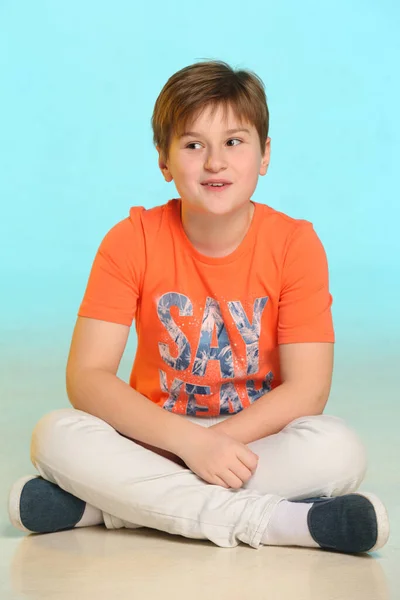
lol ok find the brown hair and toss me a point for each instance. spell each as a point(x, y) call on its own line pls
point(213, 83)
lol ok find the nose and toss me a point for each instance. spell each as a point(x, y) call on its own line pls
point(215, 160)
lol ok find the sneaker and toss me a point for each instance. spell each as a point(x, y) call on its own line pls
point(39, 506)
point(351, 523)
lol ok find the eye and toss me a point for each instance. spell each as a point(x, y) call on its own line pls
point(198, 143)
point(192, 144)
point(235, 140)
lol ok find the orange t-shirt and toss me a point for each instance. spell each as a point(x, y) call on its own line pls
point(208, 328)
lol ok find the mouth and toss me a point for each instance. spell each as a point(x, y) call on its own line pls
point(216, 187)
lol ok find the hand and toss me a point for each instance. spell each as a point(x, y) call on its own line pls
point(219, 459)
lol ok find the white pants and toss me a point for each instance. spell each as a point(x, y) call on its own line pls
point(135, 487)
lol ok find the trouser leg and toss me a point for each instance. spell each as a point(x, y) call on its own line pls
point(135, 487)
point(312, 456)
point(85, 456)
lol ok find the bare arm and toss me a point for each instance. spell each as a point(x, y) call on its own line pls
point(306, 371)
point(93, 387)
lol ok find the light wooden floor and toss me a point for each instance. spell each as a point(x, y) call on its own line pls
point(101, 564)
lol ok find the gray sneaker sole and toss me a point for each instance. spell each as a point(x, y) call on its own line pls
point(28, 511)
point(350, 536)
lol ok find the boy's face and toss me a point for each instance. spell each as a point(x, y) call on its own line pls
point(213, 153)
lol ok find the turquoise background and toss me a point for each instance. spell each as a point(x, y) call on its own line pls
point(79, 81)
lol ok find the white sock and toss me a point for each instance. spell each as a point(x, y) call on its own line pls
point(91, 516)
point(288, 526)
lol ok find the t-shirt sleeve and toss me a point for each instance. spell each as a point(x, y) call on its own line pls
point(305, 302)
point(113, 287)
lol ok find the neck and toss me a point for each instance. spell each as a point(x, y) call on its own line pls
point(216, 235)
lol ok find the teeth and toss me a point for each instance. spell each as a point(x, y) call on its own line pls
point(216, 184)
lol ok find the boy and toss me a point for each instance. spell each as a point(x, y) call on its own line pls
point(235, 342)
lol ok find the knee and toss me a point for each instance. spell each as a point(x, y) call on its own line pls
point(46, 434)
point(351, 453)
point(341, 452)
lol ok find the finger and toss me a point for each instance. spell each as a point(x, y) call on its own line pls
point(248, 465)
point(248, 458)
point(241, 471)
point(221, 482)
point(232, 479)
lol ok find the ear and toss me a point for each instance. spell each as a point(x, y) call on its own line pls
point(266, 157)
point(163, 166)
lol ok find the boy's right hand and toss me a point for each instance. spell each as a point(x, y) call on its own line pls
point(219, 459)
